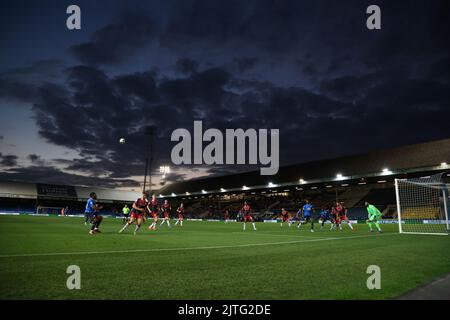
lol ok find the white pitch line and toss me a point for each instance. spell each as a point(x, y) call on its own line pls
point(185, 248)
point(276, 235)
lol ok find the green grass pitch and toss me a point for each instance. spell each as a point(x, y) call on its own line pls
point(211, 260)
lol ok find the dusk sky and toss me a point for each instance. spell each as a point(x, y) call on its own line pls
point(309, 68)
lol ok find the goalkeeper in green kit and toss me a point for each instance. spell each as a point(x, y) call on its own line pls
point(125, 212)
point(374, 217)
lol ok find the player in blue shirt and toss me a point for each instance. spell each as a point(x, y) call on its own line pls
point(308, 210)
point(89, 209)
point(324, 216)
point(91, 212)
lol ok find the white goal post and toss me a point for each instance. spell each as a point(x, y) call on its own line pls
point(422, 205)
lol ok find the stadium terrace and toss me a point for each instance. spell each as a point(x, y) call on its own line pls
point(378, 167)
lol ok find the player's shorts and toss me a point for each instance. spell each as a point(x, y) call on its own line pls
point(90, 215)
point(180, 217)
point(135, 215)
point(285, 219)
point(166, 216)
point(248, 218)
point(95, 217)
point(154, 216)
point(307, 218)
point(343, 217)
point(375, 217)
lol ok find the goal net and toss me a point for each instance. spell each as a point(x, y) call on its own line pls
point(48, 210)
point(422, 205)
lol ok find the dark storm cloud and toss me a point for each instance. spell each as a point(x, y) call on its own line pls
point(15, 90)
point(140, 85)
point(37, 70)
point(186, 66)
point(172, 177)
point(47, 174)
point(245, 64)
point(8, 160)
point(204, 88)
point(272, 25)
point(36, 159)
point(416, 35)
point(98, 110)
point(354, 87)
point(309, 69)
point(117, 41)
point(21, 83)
point(102, 166)
point(440, 70)
point(328, 120)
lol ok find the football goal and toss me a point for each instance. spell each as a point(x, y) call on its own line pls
point(422, 205)
point(48, 210)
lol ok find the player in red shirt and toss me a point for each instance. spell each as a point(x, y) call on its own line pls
point(246, 211)
point(342, 215)
point(334, 218)
point(153, 208)
point(180, 212)
point(137, 213)
point(166, 209)
point(227, 216)
point(285, 217)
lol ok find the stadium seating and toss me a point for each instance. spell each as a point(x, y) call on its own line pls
point(264, 205)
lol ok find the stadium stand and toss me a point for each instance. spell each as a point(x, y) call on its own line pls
point(363, 179)
point(28, 197)
point(366, 177)
point(382, 197)
point(405, 159)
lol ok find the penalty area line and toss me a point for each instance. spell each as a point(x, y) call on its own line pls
point(50, 254)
